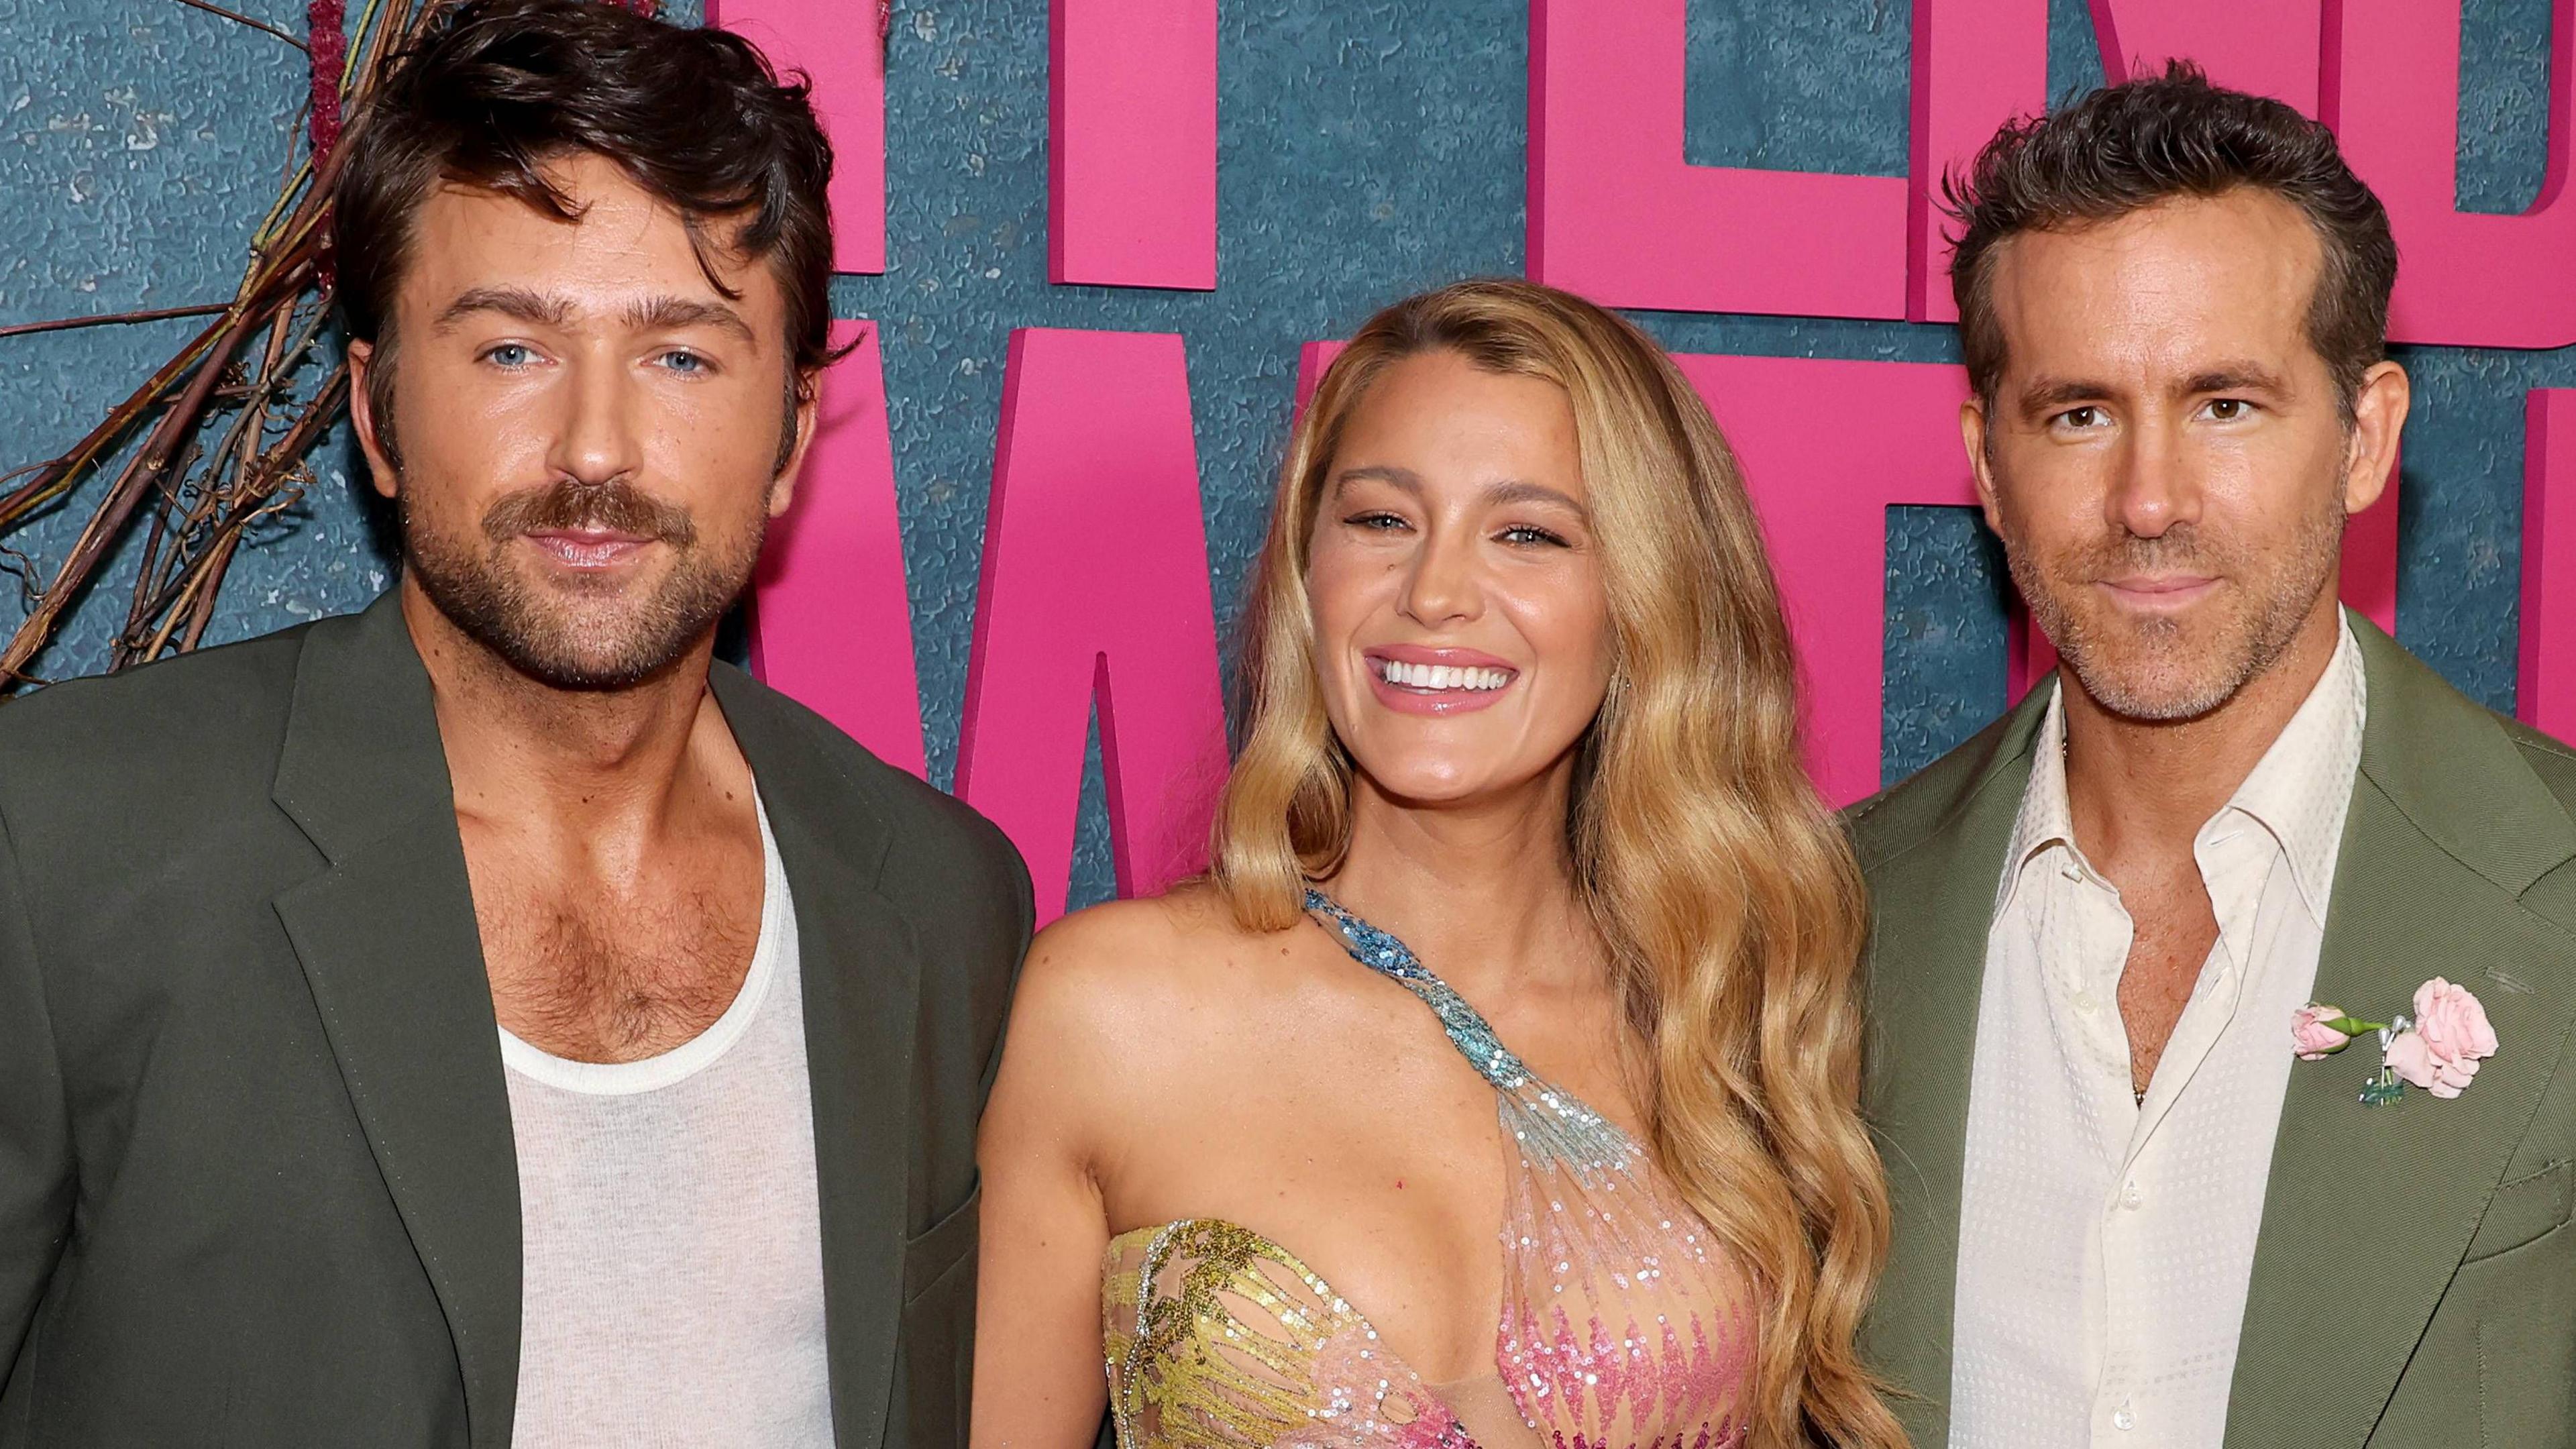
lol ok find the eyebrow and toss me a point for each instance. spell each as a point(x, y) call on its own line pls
point(550, 310)
point(516, 302)
point(1509, 490)
point(659, 313)
point(2236, 377)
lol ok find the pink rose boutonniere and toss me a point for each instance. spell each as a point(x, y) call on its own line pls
point(2437, 1049)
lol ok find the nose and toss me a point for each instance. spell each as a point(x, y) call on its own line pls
point(2157, 484)
point(1445, 585)
point(599, 437)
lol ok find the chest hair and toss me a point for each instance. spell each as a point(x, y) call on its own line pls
point(595, 976)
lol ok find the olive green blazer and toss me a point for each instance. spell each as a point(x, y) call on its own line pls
point(257, 1185)
point(2414, 1274)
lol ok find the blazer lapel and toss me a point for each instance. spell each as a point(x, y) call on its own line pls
point(1932, 904)
point(388, 941)
point(861, 974)
point(2448, 827)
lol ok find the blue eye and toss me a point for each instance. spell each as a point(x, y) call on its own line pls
point(1375, 522)
point(681, 360)
point(1523, 533)
point(511, 354)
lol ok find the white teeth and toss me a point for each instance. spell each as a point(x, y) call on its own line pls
point(1442, 676)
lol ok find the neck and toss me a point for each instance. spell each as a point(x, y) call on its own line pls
point(591, 762)
point(1483, 891)
point(2145, 787)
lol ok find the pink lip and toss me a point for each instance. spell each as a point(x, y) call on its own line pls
point(586, 550)
point(1406, 699)
point(2160, 591)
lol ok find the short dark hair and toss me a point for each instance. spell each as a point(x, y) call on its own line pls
point(495, 89)
point(2129, 146)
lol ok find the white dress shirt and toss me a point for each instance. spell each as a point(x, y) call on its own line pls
point(2105, 1243)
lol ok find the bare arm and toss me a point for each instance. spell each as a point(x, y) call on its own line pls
point(1039, 1382)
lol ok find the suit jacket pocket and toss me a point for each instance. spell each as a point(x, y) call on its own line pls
point(2523, 1209)
point(931, 1253)
point(932, 1385)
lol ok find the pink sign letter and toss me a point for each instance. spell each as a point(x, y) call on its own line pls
point(1616, 214)
point(2546, 695)
point(847, 65)
point(1828, 447)
point(830, 621)
point(1095, 592)
point(1131, 143)
point(2393, 97)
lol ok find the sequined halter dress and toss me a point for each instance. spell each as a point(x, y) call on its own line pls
point(1622, 1325)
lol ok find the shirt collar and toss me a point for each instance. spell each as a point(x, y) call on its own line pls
point(2300, 791)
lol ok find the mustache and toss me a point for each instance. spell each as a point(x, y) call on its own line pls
point(2178, 549)
point(614, 506)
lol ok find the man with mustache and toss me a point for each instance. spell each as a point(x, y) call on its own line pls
point(2238, 828)
point(482, 1020)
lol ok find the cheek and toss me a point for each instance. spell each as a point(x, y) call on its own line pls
point(1343, 587)
point(1564, 616)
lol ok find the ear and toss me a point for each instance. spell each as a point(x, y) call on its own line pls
point(1972, 433)
point(362, 417)
point(809, 413)
point(2378, 419)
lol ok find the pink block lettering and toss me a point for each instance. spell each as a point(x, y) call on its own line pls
point(2268, 48)
point(846, 64)
point(2545, 694)
point(1616, 213)
point(1828, 447)
point(1977, 64)
point(2393, 97)
point(1095, 592)
point(1131, 143)
point(830, 622)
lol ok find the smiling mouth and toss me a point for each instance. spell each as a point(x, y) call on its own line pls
point(1441, 678)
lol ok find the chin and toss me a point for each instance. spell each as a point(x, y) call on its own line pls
point(2159, 680)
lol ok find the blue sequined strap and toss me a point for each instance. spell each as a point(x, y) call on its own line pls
point(1547, 1124)
point(1384, 954)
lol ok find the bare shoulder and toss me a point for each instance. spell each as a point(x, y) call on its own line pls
point(1118, 1004)
point(1123, 957)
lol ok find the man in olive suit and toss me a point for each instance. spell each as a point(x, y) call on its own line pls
point(484, 1020)
point(2125, 1211)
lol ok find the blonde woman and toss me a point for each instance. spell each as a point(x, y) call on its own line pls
point(1524, 923)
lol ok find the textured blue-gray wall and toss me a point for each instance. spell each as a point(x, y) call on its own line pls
point(1367, 148)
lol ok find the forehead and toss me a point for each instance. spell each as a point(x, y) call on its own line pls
point(1451, 417)
point(624, 243)
point(2161, 287)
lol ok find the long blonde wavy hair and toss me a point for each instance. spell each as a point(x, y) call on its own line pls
point(1726, 895)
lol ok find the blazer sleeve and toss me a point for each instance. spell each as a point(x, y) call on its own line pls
point(36, 1176)
point(1023, 898)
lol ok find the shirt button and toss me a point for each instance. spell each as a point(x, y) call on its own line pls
point(2072, 873)
point(2122, 1419)
point(2130, 1197)
point(2087, 1002)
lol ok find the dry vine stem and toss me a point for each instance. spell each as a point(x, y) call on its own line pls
point(198, 479)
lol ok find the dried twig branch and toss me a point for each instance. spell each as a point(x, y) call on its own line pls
point(205, 481)
point(156, 314)
point(240, 19)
